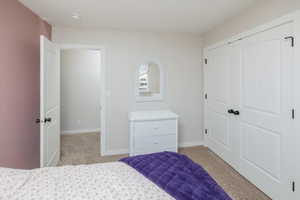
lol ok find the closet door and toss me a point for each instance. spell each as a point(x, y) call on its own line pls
point(218, 135)
point(265, 107)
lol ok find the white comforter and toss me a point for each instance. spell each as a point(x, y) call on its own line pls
point(99, 181)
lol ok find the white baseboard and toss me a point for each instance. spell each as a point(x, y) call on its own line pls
point(126, 151)
point(73, 132)
point(115, 152)
point(190, 144)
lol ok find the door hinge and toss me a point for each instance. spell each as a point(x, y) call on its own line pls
point(293, 113)
point(205, 96)
point(292, 40)
point(205, 61)
point(206, 131)
point(293, 186)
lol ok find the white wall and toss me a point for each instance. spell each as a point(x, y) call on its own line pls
point(80, 90)
point(180, 54)
point(260, 13)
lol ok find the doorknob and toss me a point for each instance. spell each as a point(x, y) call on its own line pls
point(39, 121)
point(236, 112)
point(231, 111)
point(48, 119)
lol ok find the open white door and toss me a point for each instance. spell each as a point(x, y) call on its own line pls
point(49, 103)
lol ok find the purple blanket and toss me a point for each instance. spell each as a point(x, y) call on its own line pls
point(177, 175)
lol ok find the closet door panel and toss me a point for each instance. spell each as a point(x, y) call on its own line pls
point(219, 125)
point(217, 119)
point(261, 76)
point(264, 107)
point(261, 148)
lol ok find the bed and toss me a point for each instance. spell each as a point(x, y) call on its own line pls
point(159, 176)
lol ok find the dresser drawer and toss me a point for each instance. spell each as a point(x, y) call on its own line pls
point(150, 128)
point(154, 143)
point(155, 151)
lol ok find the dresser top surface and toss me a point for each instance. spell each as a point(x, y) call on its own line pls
point(152, 115)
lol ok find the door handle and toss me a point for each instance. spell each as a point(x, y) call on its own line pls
point(49, 119)
point(231, 111)
point(236, 112)
point(39, 121)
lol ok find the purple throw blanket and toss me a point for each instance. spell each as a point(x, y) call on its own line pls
point(177, 175)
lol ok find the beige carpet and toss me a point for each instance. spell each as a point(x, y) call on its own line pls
point(84, 149)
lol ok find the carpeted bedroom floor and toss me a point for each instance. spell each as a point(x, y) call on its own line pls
point(84, 149)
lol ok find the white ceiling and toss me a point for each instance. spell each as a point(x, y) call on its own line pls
point(185, 16)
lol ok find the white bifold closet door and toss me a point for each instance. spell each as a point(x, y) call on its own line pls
point(218, 88)
point(248, 106)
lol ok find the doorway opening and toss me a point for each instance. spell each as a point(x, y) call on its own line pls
point(82, 103)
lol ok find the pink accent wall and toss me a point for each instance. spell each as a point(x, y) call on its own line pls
point(20, 30)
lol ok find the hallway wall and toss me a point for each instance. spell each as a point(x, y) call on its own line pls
point(80, 91)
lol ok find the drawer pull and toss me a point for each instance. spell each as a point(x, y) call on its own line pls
point(156, 128)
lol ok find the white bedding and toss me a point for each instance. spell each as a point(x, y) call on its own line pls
point(98, 181)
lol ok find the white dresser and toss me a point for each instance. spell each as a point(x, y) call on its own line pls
point(153, 131)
